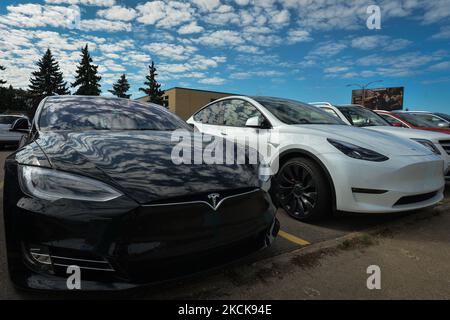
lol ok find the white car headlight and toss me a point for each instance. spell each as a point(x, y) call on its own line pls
point(49, 184)
point(429, 145)
point(357, 152)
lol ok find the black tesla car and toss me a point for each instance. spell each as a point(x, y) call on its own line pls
point(94, 186)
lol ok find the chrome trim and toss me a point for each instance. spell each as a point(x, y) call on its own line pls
point(85, 260)
point(88, 268)
point(201, 201)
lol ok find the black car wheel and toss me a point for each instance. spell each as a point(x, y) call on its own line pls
point(302, 190)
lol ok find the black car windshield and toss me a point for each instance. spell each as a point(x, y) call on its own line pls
point(8, 119)
point(362, 117)
point(83, 114)
point(294, 112)
point(414, 120)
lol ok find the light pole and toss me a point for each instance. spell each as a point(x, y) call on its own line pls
point(364, 88)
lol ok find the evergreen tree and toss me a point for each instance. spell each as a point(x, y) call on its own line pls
point(153, 88)
point(48, 80)
point(86, 79)
point(121, 87)
point(2, 68)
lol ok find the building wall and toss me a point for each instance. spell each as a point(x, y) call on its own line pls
point(185, 102)
point(188, 101)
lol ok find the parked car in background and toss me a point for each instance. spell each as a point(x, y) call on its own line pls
point(359, 116)
point(408, 120)
point(440, 120)
point(323, 164)
point(7, 137)
point(95, 187)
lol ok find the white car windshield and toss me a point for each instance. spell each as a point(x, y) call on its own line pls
point(294, 112)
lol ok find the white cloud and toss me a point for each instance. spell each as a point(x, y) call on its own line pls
point(381, 42)
point(118, 46)
point(171, 51)
point(106, 25)
point(242, 2)
point(368, 42)
point(296, 36)
point(213, 81)
point(117, 13)
point(100, 3)
point(249, 49)
point(165, 15)
point(207, 5)
point(335, 69)
point(442, 66)
point(221, 38)
point(190, 28)
point(256, 74)
point(327, 49)
point(35, 15)
point(444, 33)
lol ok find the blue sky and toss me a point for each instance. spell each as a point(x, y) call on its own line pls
point(301, 49)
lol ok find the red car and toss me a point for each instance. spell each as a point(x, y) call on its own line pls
point(407, 120)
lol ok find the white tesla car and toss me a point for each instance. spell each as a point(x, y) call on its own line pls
point(325, 164)
point(356, 115)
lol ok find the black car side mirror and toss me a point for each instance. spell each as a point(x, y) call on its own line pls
point(20, 125)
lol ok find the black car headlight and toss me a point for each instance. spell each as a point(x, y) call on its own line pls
point(49, 184)
point(429, 145)
point(357, 152)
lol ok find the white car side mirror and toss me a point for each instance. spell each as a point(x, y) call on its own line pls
point(253, 122)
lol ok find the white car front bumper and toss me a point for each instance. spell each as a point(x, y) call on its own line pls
point(399, 184)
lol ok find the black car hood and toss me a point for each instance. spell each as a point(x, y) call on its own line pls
point(139, 163)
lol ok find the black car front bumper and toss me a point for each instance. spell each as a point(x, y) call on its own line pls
point(121, 245)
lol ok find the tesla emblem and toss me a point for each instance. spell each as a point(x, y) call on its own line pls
point(213, 198)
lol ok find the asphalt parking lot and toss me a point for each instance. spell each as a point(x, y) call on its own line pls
point(293, 236)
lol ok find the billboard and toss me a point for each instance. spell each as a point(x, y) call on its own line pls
point(380, 98)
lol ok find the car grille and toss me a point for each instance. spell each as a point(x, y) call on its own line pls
point(446, 145)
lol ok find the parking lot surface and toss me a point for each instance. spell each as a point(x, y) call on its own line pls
point(326, 260)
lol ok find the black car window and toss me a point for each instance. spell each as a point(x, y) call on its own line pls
point(392, 120)
point(294, 112)
point(415, 121)
point(237, 112)
point(430, 118)
point(80, 114)
point(213, 114)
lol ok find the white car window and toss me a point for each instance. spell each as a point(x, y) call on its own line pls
point(237, 112)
